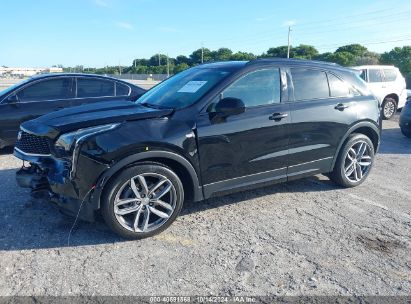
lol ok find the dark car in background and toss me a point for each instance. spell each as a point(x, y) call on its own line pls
point(45, 93)
point(207, 131)
point(405, 119)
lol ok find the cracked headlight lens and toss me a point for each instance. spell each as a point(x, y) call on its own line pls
point(67, 141)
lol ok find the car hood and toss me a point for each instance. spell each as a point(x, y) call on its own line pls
point(71, 119)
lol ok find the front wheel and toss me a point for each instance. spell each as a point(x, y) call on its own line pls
point(142, 201)
point(354, 161)
point(389, 107)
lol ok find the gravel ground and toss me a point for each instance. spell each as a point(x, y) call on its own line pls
point(306, 237)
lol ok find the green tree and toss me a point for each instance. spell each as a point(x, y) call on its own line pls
point(399, 57)
point(196, 56)
point(304, 51)
point(355, 49)
point(242, 56)
point(183, 59)
point(180, 67)
point(223, 54)
point(279, 51)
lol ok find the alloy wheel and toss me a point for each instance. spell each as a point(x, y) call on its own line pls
point(389, 109)
point(358, 161)
point(145, 202)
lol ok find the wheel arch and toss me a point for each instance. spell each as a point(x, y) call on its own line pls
point(393, 96)
point(367, 128)
point(180, 165)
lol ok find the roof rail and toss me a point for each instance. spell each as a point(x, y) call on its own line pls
point(295, 60)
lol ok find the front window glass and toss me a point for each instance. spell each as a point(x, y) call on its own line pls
point(374, 75)
point(47, 90)
point(257, 88)
point(184, 89)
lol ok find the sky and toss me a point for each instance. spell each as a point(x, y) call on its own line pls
point(96, 33)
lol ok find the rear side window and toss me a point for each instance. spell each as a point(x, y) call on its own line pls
point(53, 89)
point(374, 75)
point(390, 74)
point(257, 88)
point(338, 88)
point(309, 84)
point(122, 89)
point(94, 88)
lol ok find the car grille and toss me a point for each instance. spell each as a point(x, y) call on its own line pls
point(32, 144)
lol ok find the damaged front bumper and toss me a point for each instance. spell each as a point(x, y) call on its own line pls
point(49, 179)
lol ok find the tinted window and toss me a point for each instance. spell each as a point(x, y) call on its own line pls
point(94, 88)
point(47, 90)
point(374, 75)
point(309, 84)
point(257, 88)
point(390, 74)
point(338, 88)
point(122, 89)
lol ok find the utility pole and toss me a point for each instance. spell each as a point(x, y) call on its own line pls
point(159, 60)
point(289, 41)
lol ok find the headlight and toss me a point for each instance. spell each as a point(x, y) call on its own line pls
point(67, 141)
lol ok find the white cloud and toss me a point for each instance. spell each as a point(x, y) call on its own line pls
point(101, 3)
point(125, 25)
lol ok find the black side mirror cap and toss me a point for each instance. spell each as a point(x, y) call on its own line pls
point(230, 106)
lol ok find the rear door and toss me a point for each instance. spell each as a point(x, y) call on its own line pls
point(91, 90)
point(34, 100)
point(321, 114)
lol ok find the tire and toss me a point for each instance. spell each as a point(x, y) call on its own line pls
point(406, 132)
point(149, 192)
point(351, 154)
point(388, 108)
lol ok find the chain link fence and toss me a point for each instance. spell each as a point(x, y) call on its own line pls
point(155, 77)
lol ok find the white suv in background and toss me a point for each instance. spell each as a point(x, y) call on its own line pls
point(387, 84)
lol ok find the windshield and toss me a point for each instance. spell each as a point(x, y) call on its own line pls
point(11, 88)
point(184, 89)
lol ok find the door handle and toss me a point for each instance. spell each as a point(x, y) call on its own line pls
point(341, 107)
point(278, 116)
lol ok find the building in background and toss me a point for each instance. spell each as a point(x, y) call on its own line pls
point(27, 72)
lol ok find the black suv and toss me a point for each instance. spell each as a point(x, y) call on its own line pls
point(209, 130)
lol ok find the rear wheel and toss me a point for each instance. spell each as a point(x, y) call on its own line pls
point(354, 161)
point(143, 200)
point(389, 107)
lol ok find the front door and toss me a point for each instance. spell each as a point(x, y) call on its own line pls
point(251, 147)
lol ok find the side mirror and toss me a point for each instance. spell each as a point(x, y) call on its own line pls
point(12, 99)
point(230, 106)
